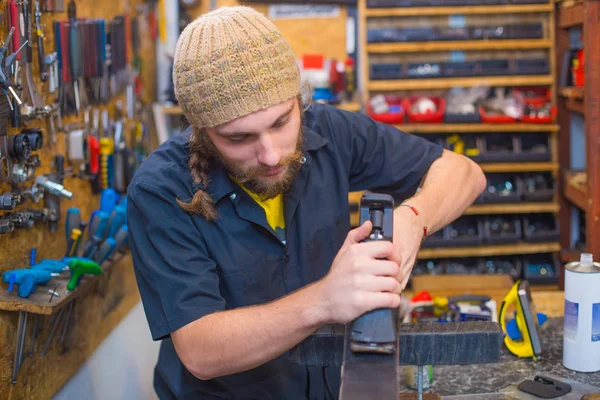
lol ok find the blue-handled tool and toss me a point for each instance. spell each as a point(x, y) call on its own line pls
point(97, 232)
point(117, 218)
point(98, 225)
point(54, 266)
point(105, 250)
point(108, 200)
point(27, 279)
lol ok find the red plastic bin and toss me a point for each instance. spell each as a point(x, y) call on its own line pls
point(495, 119)
point(436, 117)
point(540, 120)
point(542, 95)
point(389, 117)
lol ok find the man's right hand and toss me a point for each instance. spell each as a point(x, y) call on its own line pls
point(360, 279)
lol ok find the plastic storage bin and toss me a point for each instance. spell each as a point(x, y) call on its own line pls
point(427, 117)
point(532, 66)
point(495, 118)
point(502, 229)
point(462, 266)
point(494, 67)
point(526, 31)
point(424, 70)
point(501, 265)
point(385, 71)
point(489, 32)
point(465, 231)
point(534, 147)
point(500, 147)
point(503, 188)
point(394, 116)
point(540, 228)
point(538, 186)
point(540, 269)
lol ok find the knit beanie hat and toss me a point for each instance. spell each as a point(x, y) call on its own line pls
point(232, 62)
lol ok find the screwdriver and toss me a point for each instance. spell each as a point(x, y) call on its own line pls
point(73, 221)
point(116, 220)
point(97, 232)
point(108, 200)
point(75, 235)
point(105, 250)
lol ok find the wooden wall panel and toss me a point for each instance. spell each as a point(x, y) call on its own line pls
point(97, 313)
point(314, 35)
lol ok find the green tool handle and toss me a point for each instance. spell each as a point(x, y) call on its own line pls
point(80, 267)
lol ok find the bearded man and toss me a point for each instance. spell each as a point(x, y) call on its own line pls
point(239, 226)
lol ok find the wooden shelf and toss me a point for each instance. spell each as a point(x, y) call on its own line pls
point(520, 167)
point(572, 92)
point(488, 251)
point(463, 45)
point(576, 188)
point(476, 128)
point(39, 301)
point(465, 10)
point(447, 83)
point(570, 14)
point(516, 208)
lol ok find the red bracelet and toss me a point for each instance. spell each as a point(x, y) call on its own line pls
point(416, 213)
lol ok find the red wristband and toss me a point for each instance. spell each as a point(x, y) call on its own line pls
point(416, 213)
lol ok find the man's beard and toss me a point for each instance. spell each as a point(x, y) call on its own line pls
point(254, 179)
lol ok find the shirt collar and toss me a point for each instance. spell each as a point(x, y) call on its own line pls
point(220, 185)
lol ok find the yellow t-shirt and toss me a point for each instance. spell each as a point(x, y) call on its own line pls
point(273, 211)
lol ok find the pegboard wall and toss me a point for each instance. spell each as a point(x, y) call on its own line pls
point(101, 301)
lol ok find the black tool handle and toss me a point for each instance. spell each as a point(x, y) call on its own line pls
point(376, 331)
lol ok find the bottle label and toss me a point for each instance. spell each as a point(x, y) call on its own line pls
point(571, 320)
point(596, 322)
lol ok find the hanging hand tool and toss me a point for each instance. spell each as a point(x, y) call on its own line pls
point(32, 99)
point(97, 233)
point(107, 148)
point(47, 62)
point(40, 41)
point(57, 6)
point(72, 231)
point(117, 219)
point(73, 241)
point(108, 200)
point(73, 221)
point(105, 250)
point(80, 267)
point(6, 62)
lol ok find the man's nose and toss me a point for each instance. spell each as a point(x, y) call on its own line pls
point(268, 152)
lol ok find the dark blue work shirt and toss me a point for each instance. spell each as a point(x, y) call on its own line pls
point(187, 267)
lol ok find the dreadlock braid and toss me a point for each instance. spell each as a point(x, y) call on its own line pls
point(201, 154)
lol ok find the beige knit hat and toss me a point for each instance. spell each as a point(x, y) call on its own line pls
point(229, 63)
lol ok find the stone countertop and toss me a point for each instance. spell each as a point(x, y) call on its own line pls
point(509, 370)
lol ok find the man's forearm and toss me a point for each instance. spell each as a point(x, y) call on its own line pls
point(452, 183)
point(237, 340)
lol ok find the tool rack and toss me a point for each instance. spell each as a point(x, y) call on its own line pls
point(408, 15)
point(580, 189)
point(48, 311)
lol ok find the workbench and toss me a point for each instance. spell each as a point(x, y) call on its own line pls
point(461, 380)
